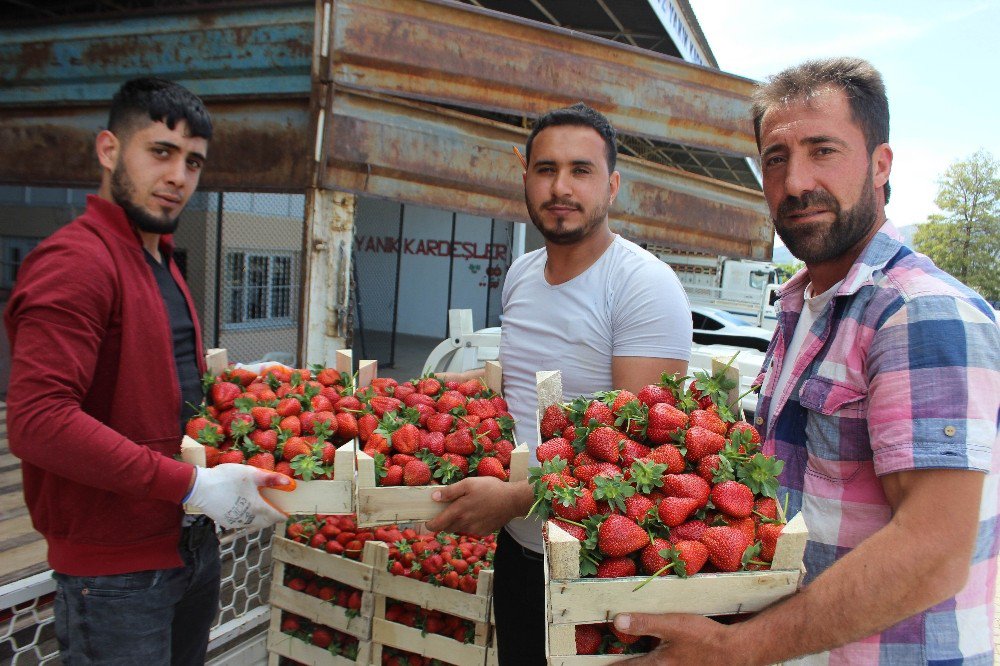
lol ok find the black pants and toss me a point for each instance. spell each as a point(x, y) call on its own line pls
point(519, 603)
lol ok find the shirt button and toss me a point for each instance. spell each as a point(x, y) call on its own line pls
point(759, 420)
point(949, 430)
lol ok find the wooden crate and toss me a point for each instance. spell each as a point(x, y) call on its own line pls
point(571, 600)
point(393, 504)
point(283, 645)
point(475, 607)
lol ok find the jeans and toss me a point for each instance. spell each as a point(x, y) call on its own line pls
point(145, 617)
point(518, 603)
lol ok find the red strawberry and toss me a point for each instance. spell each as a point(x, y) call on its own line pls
point(222, 394)
point(587, 472)
point(459, 442)
point(441, 422)
point(691, 530)
point(197, 424)
point(553, 421)
point(291, 424)
point(328, 377)
point(459, 461)
point(449, 400)
point(491, 467)
point(348, 403)
point(283, 467)
point(733, 499)
point(231, 456)
point(588, 638)
point(367, 423)
point(701, 442)
point(707, 466)
point(433, 442)
point(618, 535)
point(725, 547)
point(605, 443)
point(415, 399)
point(416, 473)
point(503, 448)
point(694, 554)
point(673, 511)
point(744, 525)
point(393, 476)
point(600, 412)
point(484, 409)
point(651, 559)
point(708, 420)
point(490, 428)
point(768, 534)
point(622, 398)
point(637, 506)
point(406, 439)
point(669, 455)
point(654, 394)
point(347, 425)
point(470, 387)
point(582, 506)
point(687, 485)
point(616, 567)
point(382, 405)
point(765, 507)
point(295, 446)
point(557, 446)
point(321, 637)
point(743, 426)
point(626, 639)
point(429, 386)
point(632, 451)
point(664, 420)
point(263, 416)
point(289, 407)
point(265, 440)
point(262, 460)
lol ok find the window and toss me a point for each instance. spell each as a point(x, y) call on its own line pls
point(259, 289)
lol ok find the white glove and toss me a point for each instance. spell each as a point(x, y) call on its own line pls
point(229, 494)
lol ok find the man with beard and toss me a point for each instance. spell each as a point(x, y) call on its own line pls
point(596, 307)
point(881, 392)
point(106, 360)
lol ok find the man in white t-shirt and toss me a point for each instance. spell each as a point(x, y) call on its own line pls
point(598, 308)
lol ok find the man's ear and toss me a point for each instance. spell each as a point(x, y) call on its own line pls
point(616, 181)
point(881, 165)
point(108, 148)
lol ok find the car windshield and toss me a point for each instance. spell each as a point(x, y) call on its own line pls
point(729, 318)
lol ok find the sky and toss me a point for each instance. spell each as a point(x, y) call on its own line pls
point(940, 61)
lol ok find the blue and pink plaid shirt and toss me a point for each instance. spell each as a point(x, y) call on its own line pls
point(900, 372)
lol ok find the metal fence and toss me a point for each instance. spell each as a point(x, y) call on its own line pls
point(27, 635)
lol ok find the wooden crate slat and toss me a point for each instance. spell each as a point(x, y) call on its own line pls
point(410, 639)
point(342, 569)
point(216, 360)
point(494, 377)
point(791, 544)
point(306, 653)
point(324, 612)
point(469, 606)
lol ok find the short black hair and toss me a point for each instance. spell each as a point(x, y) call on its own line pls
point(858, 79)
point(582, 115)
point(149, 99)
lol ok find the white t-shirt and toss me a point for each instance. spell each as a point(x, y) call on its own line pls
point(628, 303)
point(814, 306)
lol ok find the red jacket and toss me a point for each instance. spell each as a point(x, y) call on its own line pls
point(93, 401)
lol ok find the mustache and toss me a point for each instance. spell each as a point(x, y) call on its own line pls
point(813, 199)
point(569, 203)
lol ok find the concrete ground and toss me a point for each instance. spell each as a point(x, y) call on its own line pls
point(410, 353)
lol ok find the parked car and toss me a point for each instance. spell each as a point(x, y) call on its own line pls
point(713, 326)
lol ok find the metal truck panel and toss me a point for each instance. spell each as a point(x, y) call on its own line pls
point(455, 54)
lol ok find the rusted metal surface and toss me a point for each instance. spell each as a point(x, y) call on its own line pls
point(227, 52)
point(419, 154)
point(452, 53)
point(257, 146)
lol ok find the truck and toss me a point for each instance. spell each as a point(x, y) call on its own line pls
point(743, 287)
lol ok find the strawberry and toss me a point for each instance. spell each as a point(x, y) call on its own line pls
point(632, 451)
point(616, 567)
point(434, 442)
point(618, 536)
point(654, 394)
point(459, 442)
point(745, 525)
point(231, 456)
point(378, 443)
point(743, 426)
point(367, 424)
point(651, 559)
point(725, 547)
point(484, 409)
point(347, 425)
point(321, 637)
point(707, 420)
point(588, 638)
point(471, 387)
point(669, 455)
point(211, 456)
point(765, 507)
point(415, 399)
point(402, 391)
point(458, 461)
point(553, 421)
point(265, 440)
point(429, 386)
point(382, 405)
point(289, 407)
point(197, 424)
point(441, 422)
point(328, 377)
point(263, 416)
point(600, 412)
point(557, 446)
point(283, 467)
point(383, 385)
point(490, 428)
point(622, 398)
point(768, 534)
point(637, 506)
point(626, 639)
point(605, 443)
point(701, 442)
point(707, 467)
point(449, 400)
point(295, 446)
point(416, 473)
point(733, 499)
point(673, 511)
point(691, 530)
point(694, 554)
point(348, 403)
point(406, 439)
point(291, 424)
point(393, 476)
point(503, 448)
point(223, 394)
point(491, 467)
point(663, 421)
point(687, 485)
point(586, 473)
point(262, 460)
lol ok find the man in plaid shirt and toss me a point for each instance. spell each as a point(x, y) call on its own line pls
point(881, 392)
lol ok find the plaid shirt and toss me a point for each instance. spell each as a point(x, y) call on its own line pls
point(901, 371)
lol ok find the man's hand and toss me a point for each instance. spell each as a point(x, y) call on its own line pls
point(684, 639)
point(229, 494)
point(480, 505)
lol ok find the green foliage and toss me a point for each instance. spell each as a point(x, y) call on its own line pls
point(965, 239)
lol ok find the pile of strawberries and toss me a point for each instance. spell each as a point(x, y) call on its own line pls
point(430, 621)
point(666, 482)
point(325, 589)
point(423, 432)
point(340, 534)
point(419, 432)
point(394, 657)
point(336, 642)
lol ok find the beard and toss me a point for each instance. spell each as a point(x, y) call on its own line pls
point(817, 243)
point(561, 235)
point(123, 193)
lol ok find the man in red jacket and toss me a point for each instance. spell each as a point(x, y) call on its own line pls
point(106, 353)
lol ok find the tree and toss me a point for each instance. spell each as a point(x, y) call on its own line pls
point(965, 239)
